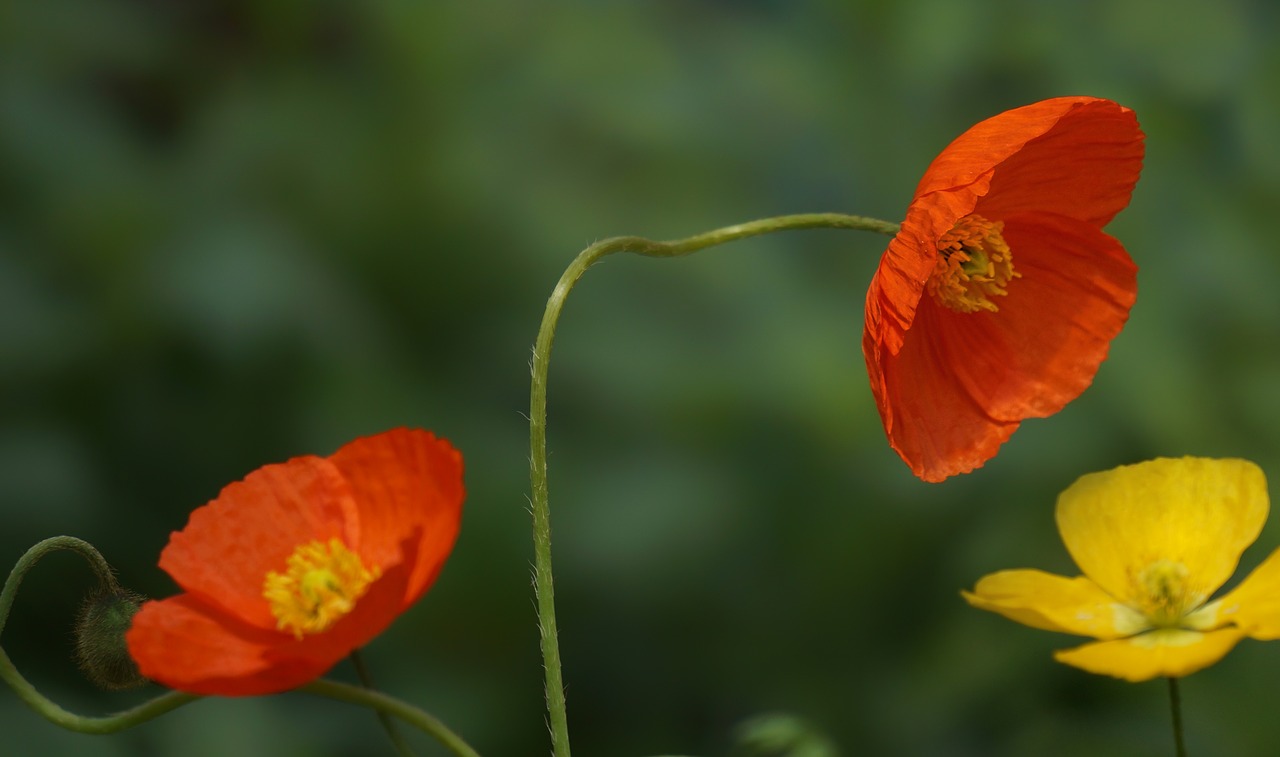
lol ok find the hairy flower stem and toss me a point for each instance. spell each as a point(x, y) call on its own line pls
point(1175, 705)
point(51, 711)
point(540, 367)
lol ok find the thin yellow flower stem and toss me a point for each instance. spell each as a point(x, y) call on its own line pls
point(540, 368)
point(1175, 705)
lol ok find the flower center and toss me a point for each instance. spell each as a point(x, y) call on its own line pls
point(321, 583)
point(974, 265)
point(1166, 597)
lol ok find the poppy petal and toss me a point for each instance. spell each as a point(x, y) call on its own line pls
point(230, 544)
point(1254, 605)
point(896, 290)
point(1079, 156)
point(972, 156)
point(1166, 652)
point(1084, 167)
point(190, 645)
point(931, 419)
point(405, 481)
point(1055, 325)
point(951, 387)
point(1196, 513)
point(1055, 603)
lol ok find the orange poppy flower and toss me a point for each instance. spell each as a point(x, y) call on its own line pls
point(999, 296)
point(291, 569)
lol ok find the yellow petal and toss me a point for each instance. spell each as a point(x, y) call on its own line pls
point(1254, 605)
point(1192, 513)
point(1055, 603)
point(1170, 652)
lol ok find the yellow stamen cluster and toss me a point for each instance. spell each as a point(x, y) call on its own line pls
point(1166, 594)
point(974, 265)
point(320, 584)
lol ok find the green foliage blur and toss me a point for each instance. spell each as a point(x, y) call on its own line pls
point(234, 232)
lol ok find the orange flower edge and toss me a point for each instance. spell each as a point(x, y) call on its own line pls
point(289, 570)
point(999, 297)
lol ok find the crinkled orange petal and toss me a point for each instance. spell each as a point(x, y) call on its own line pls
point(1038, 145)
point(1078, 157)
point(405, 480)
point(1072, 158)
point(1054, 603)
point(963, 381)
point(1254, 605)
point(1167, 652)
point(897, 288)
point(1199, 513)
point(932, 422)
point(1084, 167)
point(230, 544)
point(191, 645)
point(1054, 327)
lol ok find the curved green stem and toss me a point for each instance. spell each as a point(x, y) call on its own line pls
point(32, 556)
point(382, 703)
point(540, 367)
point(119, 721)
point(388, 725)
point(48, 709)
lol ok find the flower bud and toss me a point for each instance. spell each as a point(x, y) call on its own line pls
point(100, 646)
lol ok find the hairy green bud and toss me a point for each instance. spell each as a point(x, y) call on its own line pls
point(100, 647)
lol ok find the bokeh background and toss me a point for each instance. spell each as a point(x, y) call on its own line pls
point(234, 232)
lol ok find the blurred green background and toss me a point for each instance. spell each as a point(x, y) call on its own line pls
point(235, 232)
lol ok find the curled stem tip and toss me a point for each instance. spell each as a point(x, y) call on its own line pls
point(28, 693)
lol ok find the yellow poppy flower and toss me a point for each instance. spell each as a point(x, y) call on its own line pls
point(1154, 541)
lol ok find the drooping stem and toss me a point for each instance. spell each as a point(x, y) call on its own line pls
point(1175, 705)
point(47, 708)
point(540, 367)
point(53, 544)
point(388, 725)
point(55, 714)
point(380, 702)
